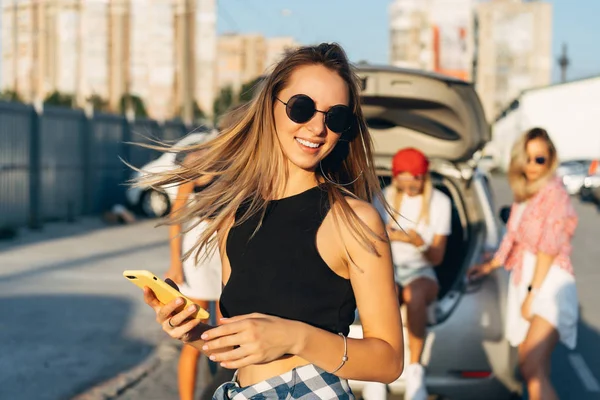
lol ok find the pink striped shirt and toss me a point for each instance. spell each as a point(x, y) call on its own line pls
point(547, 225)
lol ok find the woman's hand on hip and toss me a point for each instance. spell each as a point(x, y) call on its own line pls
point(526, 307)
point(176, 320)
point(255, 338)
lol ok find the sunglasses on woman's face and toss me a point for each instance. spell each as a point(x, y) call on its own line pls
point(300, 108)
point(538, 160)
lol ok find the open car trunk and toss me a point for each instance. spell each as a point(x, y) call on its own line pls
point(439, 115)
point(442, 117)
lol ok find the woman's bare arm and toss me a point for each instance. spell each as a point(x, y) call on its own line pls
point(379, 355)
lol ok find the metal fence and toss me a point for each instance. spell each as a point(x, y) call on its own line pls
point(59, 164)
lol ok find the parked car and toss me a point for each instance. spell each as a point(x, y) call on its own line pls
point(466, 354)
point(590, 190)
point(573, 174)
point(157, 202)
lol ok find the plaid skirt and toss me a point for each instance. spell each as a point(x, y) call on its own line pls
point(306, 382)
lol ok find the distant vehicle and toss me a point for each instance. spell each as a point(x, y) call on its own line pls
point(157, 202)
point(591, 188)
point(573, 174)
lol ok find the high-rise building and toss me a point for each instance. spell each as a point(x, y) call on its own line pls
point(244, 57)
point(276, 49)
point(152, 62)
point(410, 34)
point(513, 45)
point(453, 47)
point(163, 51)
point(241, 58)
point(20, 47)
point(94, 66)
point(205, 52)
point(118, 52)
point(432, 35)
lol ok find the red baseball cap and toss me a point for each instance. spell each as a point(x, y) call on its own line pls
point(410, 160)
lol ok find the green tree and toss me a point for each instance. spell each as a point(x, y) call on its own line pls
point(198, 113)
point(98, 102)
point(10, 95)
point(59, 99)
point(137, 104)
point(224, 101)
point(248, 89)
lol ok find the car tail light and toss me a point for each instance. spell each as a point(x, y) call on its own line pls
point(475, 374)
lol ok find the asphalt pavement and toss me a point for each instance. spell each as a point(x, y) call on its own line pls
point(68, 318)
point(71, 324)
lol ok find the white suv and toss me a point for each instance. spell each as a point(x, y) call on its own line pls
point(157, 202)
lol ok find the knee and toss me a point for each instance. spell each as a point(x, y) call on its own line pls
point(530, 368)
point(414, 298)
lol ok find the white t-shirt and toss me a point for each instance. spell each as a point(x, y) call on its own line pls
point(440, 215)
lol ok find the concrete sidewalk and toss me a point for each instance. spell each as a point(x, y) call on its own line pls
point(156, 378)
point(69, 319)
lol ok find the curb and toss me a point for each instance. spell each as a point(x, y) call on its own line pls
point(118, 384)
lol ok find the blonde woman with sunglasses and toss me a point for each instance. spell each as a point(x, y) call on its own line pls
point(542, 306)
point(301, 245)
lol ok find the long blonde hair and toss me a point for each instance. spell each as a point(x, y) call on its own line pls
point(396, 200)
point(521, 187)
point(248, 166)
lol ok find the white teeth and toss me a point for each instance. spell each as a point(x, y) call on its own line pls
point(307, 143)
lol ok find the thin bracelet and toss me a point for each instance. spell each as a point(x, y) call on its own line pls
point(345, 356)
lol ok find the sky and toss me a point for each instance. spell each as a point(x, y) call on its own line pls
point(361, 27)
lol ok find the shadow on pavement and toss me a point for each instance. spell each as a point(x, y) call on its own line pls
point(83, 261)
point(567, 381)
point(59, 230)
point(54, 347)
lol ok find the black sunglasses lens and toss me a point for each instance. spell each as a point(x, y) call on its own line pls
point(540, 160)
point(300, 108)
point(339, 118)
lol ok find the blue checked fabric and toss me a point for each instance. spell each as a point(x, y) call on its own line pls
point(305, 383)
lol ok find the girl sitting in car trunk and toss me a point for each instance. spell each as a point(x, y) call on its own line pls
point(418, 233)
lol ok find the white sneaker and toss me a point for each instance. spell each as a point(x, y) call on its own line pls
point(374, 391)
point(415, 383)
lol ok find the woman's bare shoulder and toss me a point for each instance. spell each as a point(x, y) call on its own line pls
point(367, 213)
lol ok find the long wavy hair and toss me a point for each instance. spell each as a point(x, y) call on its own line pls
point(521, 187)
point(248, 166)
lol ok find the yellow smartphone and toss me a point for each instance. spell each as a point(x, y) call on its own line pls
point(162, 290)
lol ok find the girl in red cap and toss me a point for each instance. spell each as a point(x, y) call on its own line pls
point(418, 234)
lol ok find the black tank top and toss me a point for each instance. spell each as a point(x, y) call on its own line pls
point(279, 271)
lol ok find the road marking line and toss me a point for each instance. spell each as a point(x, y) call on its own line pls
point(584, 373)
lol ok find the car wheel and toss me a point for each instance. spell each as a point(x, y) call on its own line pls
point(155, 204)
point(585, 195)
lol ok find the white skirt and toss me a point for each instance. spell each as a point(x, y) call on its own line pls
point(556, 302)
point(201, 281)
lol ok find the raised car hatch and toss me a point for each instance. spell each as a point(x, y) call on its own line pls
point(439, 115)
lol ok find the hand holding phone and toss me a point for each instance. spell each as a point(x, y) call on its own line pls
point(162, 290)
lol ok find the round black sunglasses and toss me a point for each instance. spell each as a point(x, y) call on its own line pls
point(540, 160)
point(300, 108)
